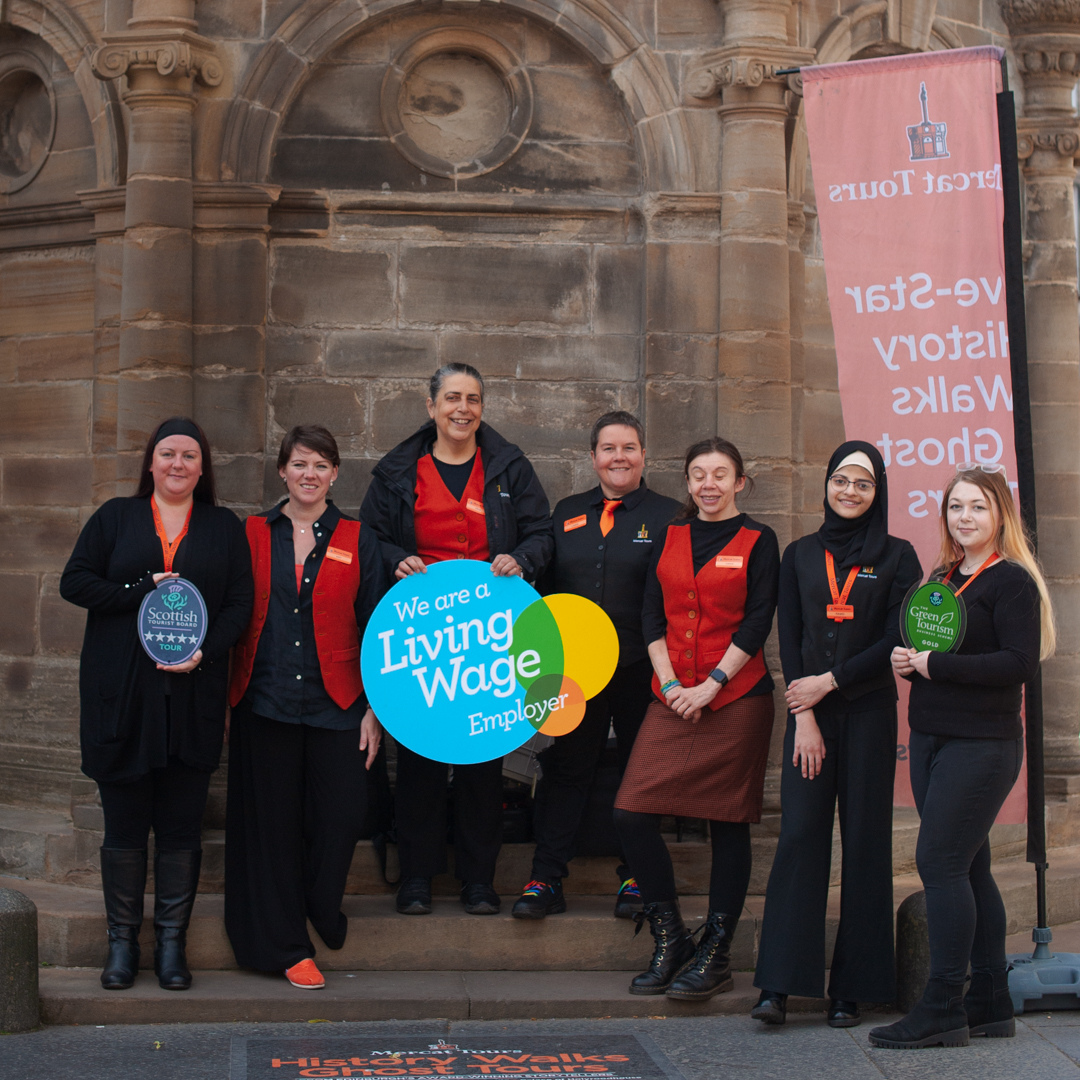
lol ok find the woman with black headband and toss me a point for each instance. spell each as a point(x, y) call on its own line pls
point(151, 735)
point(841, 592)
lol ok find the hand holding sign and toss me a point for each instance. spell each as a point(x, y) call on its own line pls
point(172, 622)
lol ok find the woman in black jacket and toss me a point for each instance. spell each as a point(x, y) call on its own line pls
point(841, 592)
point(966, 748)
point(455, 489)
point(152, 735)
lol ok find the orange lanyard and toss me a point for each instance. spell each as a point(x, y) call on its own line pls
point(839, 609)
point(168, 550)
point(989, 562)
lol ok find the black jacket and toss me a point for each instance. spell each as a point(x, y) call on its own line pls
point(123, 727)
point(515, 506)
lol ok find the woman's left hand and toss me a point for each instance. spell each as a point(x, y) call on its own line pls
point(370, 737)
point(920, 661)
point(805, 693)
point(506, 566)
point(688, 701)
point(183, 669)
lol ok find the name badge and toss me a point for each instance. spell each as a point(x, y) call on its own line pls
point(729, 562)
point(575, 523)
point(338, 555)
point(474, 506)
point(840, 612)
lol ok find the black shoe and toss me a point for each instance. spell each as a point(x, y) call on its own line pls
point(989, 1007)
point(123, 881)
point(539, 899)
point(938, 1019)
point(771, 1008)
point(844, 1014)
point(176, 881)
point(672, 951)
point(479, 898)
point(414, 896)
point(628, 901)
point(709, 972)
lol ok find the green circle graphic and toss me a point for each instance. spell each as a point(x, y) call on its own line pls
point(933, 618)
point(535, 628)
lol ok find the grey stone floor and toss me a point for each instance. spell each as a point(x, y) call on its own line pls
point(1047, 1046)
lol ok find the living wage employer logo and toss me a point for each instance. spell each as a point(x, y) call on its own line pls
point(463, 666)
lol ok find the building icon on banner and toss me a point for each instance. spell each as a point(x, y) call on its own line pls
point(927, 138)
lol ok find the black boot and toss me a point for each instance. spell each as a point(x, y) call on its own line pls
point(709, 972)
point(674, 947)
point(123, 881)
point(938, 1019)
point(989, 1007)
point(176, 880)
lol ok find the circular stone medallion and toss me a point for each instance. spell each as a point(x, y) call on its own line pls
point(27, 119)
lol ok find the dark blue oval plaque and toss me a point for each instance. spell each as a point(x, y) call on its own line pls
point(172, 622)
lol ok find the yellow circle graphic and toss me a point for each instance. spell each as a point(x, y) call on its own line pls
point(590, 642)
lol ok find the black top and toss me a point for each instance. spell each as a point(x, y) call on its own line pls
point(707, 540)
point(610, 570)
point(286, 680)
point(123, 728)
point(975, 691)
point(516, 509)
point(856, 651)
point(455, 477)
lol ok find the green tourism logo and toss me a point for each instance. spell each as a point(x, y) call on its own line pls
point(933, 618)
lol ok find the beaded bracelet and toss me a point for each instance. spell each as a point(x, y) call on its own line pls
point(669, 685)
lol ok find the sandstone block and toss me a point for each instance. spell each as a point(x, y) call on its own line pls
point(545, 357)
point(108, 276)
point(60, 624)
point(338, 406)
point(339, 99)
point(231, 18)
point(157, 275)
point(397, 410)
point(103, 433)
point(320, 286)
point(540, 166)
point(682, 288)
point(618, 290)
point(557, 478)
point(912, 951)
point(746, 303)
point(1054, 433)
point(64, 172)
point(68, 356)
point(238, 347)
point(231, 409)
point(57, 293)
point(292, 352)
point(382, 353)
point(506, 286)
point(142, 403)
point(576, 103)
point(17, 628)
point(352, 484)
point(47, 481)
point(50, 419)
point(677, 414)
point(756, 417)
point(1054, 384)
point(155, 201)
point(18, 962)
point(36, 539)
point(73, 130)
point(9, 359)
point(347, 163)
point(823, 425)
point(230, 281)
point(691, 356)
point(240, 480)
point(160, 142)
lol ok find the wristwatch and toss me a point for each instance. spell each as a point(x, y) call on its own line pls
point(719, 676)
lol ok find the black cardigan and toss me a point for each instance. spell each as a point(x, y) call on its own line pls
point(856, 651)
point(515, 506)
point(123, 727)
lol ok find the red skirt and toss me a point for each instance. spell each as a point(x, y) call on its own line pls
point(713, 769)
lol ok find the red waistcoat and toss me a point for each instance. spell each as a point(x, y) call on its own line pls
point(704, 611)
point(448, 528)
point(337, 639)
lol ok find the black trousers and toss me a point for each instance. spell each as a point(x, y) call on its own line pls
point(857, 776)
point(171, 801)
point(421, 809)
point(569, 766)
point(296, 806)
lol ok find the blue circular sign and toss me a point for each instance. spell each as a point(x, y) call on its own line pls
point(172, 622)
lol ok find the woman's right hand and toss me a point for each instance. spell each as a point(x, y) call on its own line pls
point(809, 745)
point(901, 661)
point(413, 564)
point(159, 578)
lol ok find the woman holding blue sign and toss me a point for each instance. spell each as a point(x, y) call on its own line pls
point(966, 748)
point(455, 489)
point(841, 592)
point(151, 734)
point(703, 746)
point(302, 735)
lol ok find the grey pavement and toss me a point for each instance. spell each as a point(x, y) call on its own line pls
point(1046, 1047)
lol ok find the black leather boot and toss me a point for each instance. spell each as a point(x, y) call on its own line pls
point(674, 947)
point(709, 972)
point(938, 1019)
point(176, 880)
point(123, 881)
point(989, 1007)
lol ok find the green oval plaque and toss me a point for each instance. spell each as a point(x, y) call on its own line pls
point(934, 618)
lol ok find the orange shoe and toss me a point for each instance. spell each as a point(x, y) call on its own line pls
point(306, 975)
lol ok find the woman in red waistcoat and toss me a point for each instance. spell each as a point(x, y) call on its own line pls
point(455, 490)
point(702, 749)
point(302, 735)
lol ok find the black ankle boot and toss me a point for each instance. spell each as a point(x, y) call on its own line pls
point(709, 972)
point(938, 1019)
point(176, 880)
point(989, 1007)
point(123, 881)
point(674, 947)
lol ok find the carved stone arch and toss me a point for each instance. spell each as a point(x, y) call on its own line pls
point(65, 32)
point(596, 26)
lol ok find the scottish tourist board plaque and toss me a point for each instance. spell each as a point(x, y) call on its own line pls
point(172, 622)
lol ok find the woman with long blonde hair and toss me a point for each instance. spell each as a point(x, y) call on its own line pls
point(966, 749)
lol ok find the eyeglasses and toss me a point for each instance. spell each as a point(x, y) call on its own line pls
point(971, 466)
point(839, 482)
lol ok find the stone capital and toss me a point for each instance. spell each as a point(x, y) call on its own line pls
point(1041, 16)
point(179, 56)
point(1062, 139)
point(746, 67)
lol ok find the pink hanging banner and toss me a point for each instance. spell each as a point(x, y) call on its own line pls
point(907, 176)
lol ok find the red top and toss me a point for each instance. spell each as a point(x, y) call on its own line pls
point(703, 611)
point(449, 528)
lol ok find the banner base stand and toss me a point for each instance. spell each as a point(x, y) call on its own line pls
point(1044, 981)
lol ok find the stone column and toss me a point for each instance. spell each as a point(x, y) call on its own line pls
point(1046, 40)
point(161, 56)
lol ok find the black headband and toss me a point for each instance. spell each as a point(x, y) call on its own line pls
point(180, 426)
